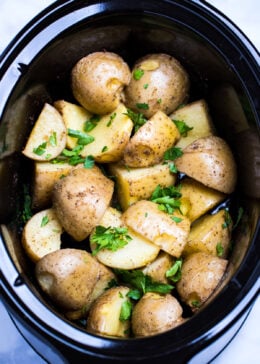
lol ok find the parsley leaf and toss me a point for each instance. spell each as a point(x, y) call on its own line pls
point(182, 127)
point(126, 310)
point(89, 162)
point(174, 273)
point(138, 74)
point(44, 221)
point(137, 118)
point(53, 139)
point(91, 123)
point(41, 149)
point(228, 220)
point(83, 138)
point(167, 198)
point(142, 105)
point(172, 153)
point(219, 249)
point(111, 238)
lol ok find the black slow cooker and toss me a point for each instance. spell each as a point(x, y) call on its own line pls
point(224, 70)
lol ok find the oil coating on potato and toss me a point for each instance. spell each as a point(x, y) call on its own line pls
point(97, 81)
point(164, 85)
point(80, 200)
point(69, 277)
point(155, 313)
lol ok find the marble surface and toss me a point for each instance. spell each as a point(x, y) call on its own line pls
point(245, 347)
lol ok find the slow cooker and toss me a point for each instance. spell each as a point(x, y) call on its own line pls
point(35, 68)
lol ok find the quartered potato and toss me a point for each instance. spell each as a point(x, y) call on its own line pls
point(148, 145)
point(106, 316)
point(135, 254)
point(48, 136)
point(134, 184)
point(145, 218)
point(210, 161)
point(42, 234)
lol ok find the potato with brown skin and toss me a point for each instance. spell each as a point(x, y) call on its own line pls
point(163, 85)
point(69, 278)
point(105, 316)
point(200, 275)
point(155, 313)
point(210, 161)
point(158, 268)
point(97, 81)
point(80, 200)
point(148, 145)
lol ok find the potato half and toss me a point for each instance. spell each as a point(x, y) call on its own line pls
point(148, 145)
point(210, 161)
point(163, 85)
point(201, 274)
point(42, 234)
point(80, 200)
point(155, 313)
point(97, 81)
point(69, 277)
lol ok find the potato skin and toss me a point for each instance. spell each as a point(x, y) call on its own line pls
point(210, 161)
point(201, 273)
point(155, 313)
point(150, 142)
point(69, 277)
point(167, 85)
point(80, 200)
point(97, 81)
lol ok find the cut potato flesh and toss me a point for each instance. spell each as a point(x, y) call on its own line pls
point(48, 136)
point(135, 254)
point(145, 218)
point(196, 116)
point(42, 234)
point(135, 184)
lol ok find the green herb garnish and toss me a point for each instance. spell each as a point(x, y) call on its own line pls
point(219, 249)
point(138, 74)
point(228, 220)
point(142, 105)
point(111, 238)
point(41, 149)
point(89, 162)
point(174, 273)
point(104, 149)
point(137, 118)
point(53, 139)
point(91, 123)
point(239, 216)
point(83, 138)
point(146, 85)
point(44, 221)
point(112, 117)
point(167, 198)
point(172, 153)
point(182, 127)
point(126, 310)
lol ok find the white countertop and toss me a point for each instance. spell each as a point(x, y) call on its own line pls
point(245, 347)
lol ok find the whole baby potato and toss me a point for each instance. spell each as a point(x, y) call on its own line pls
point(155, 313)
point(159, 82)
point(80, 199)
point(70, 277)
point(97, 81)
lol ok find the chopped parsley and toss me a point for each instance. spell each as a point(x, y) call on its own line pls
point(219, 250)
point(126, 310)
point(112, 117)
point(172, 153)
point(167, 198)
point(138, 74)
point(146, 85)
point(44, 221)
point(142, 106)
point(176, 219)
point(91, 123)
point(89, 162)
point(195, 303)
point(41, 149)
point(104, 149)
point(174, 273)
point(111, 238)
point(53, 139)
point(182, 127)
point(137, 118)
point(228, 220)
point(83, 138)
point(239, 216)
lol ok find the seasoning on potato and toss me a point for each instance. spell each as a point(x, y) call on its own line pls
point(137, 189)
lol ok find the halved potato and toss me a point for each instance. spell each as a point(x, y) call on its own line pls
point(200, 275)
point(133, 184)
point(48, 136)
point(80, 200)
point(210, 234)
point(210, 161)
point(145, 218)
point(74, 117)
point(135, 254)
point(105, 316)
point(148, 145)
point(201, 198)
point(196, 116)
point(157, 268)
point(42, 234)
point(155, 313)
point(46, 174)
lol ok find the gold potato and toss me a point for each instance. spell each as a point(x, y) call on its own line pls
point(148, 145)
point(69, 277)
point(201, 198)
point(42, 234)
point(155, 313)
point(80, 200)
point(97, 81)
point(48, 136)
point(105, 314)
point(133, 184)
point(196, 116)
point(137, 253)
point(46, 174)
point(164, 85)
point(210, 234)
point(145, 218)
point(157, 268)
point(210, 161)
point(201, 274)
